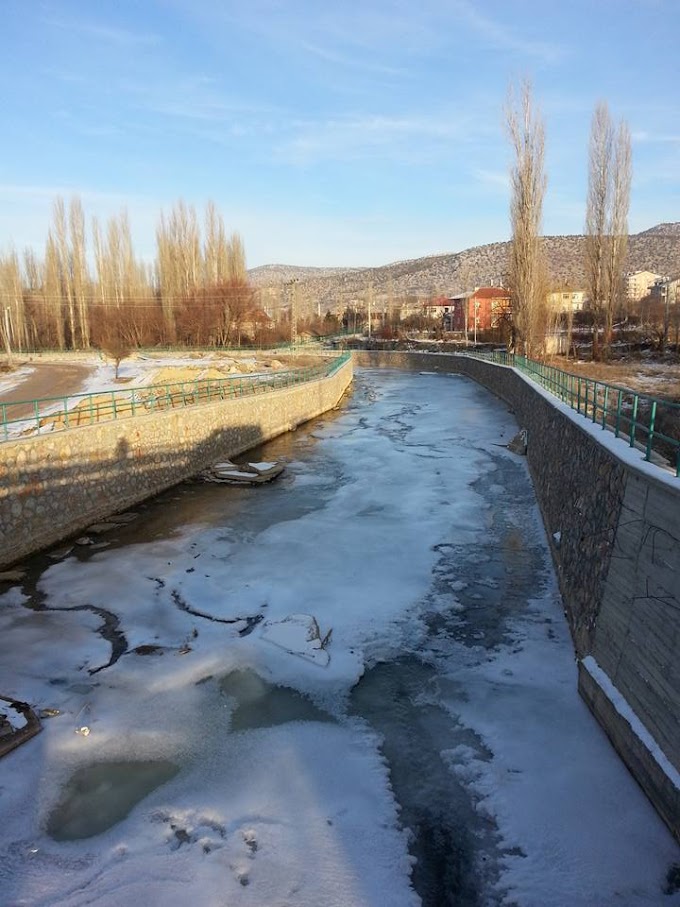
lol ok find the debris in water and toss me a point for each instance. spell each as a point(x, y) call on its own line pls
point(519, 443)
point(242, 473)
point(12, 576)
point(299, 634)
point(98, 528)
point(18, 723)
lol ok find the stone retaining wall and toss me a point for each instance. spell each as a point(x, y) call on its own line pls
point(56, 485)
point(614, 529)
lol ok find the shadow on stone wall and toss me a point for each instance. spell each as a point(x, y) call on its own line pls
point(48, 500)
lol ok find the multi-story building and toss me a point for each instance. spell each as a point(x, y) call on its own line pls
point(566, 300)
point(639, 283)
point(668, 290)
point(485, 308)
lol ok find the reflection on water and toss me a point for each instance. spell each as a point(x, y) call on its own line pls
point(98, 796)
point(260, 704)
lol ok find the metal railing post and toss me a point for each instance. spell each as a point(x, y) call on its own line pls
point(650, 432)
point(633, 421)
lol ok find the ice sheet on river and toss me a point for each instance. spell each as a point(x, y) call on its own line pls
point(384, 533)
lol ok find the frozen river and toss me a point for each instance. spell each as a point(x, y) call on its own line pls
point(210, 751)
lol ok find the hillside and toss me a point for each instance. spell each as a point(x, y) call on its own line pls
point(656, 249)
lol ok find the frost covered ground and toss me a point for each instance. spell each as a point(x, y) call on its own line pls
point(440, 754)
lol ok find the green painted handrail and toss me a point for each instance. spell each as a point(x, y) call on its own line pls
point(77, 410)
point(617, 409)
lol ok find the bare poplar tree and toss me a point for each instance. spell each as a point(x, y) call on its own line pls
point(597, 216)
point(609, 178)
point(179, 262)
point(618, 228)
point(528, 183)
point(64, 263)
point(78, 268)
point(236, 259)
point(12, 299)
point(99, 263)
point(166, 278)
point(53, 297)
point(33, 307)
point(196, 291)
point(215, 249)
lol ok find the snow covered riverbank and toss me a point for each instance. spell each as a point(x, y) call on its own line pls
point(221, 768)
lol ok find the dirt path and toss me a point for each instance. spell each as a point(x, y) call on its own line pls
point(49, 379)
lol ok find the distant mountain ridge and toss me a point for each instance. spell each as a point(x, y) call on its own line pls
point(656, 249)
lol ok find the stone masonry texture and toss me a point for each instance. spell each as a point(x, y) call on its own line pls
point(55, 485)
point(617, 562)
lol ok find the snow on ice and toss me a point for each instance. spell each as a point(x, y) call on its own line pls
point(377, 532)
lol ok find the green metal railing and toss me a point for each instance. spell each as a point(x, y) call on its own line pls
point(47, 414)
point(647, 423)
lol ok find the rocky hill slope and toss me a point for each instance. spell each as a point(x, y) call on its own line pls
point(320, 289)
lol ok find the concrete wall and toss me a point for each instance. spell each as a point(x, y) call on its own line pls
point(54, 485)
point(618, 565)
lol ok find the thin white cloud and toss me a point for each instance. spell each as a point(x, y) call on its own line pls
point(412, 138)
point(655, 138)
point(499, 35)
point(120, 37)
point(350, 62)
point(498, 179)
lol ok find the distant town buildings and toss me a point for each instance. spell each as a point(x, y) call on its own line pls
point(667, 290)
point(639, 283)
point(566, 300)
point(440, 308)
point(480, 309)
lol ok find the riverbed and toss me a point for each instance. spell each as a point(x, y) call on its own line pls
point(354, 686)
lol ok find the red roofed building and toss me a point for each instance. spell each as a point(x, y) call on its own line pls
point(487, 305)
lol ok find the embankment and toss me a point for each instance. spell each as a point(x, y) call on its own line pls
point(614, 528)
point(57, 484)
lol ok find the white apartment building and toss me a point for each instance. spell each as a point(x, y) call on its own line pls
point(566, 300)
point(639, 284)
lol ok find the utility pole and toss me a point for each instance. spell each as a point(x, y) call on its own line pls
point(370, 303)
point(665, 288)
point(292, 286)
point(466, 304)
point(476, 310)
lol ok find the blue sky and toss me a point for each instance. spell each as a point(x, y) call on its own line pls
point(328, 134)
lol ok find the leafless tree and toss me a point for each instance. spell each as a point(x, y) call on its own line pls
point(78, 269)
point(60, 241)
point(53, 296)
point(618, 228)
point(197, 290)
point(609, 178)
point(527, 273)
point(110, 336)
point(12, 302)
